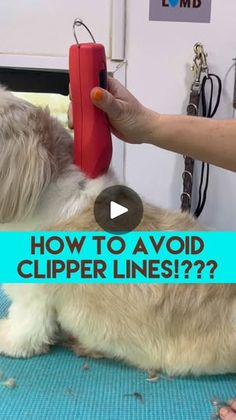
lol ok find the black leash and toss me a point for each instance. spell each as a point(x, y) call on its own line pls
point(234, 101)
point(209, 112)
point(198, 96)
point(192, 110)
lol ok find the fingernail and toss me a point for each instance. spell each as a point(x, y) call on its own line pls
point(224, 411)
point(230, 402)
point(98, 95)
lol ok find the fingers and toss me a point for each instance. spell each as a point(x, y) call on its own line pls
point(120, 91)
point(109, 101)
point(103, 100)
point(115, 87)
point(232, 404)
point(228, 412)
point(106, 102)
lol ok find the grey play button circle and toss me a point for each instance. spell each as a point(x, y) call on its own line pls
point(118, 209)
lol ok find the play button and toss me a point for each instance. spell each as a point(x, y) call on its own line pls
point(118, 209)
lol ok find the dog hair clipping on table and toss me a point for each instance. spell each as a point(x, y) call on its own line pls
point(85, 366)
point(152, 376)
point(9, 383)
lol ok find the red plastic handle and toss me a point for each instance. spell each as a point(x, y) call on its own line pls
point(92, 136)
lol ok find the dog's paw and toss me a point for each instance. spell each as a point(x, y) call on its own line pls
point(15, 344)
point(81, 351)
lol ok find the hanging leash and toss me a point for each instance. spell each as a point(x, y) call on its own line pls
point(199, 66)
point(209, 112)
point(234, 101)
point(198, 99)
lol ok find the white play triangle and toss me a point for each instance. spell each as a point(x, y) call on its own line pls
point(117, 210)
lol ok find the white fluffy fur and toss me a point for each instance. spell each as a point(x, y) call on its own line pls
point(176, 328)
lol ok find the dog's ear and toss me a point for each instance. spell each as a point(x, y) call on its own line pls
point(25, 164)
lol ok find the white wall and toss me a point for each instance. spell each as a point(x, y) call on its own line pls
point(45, 27)
point(159, 59)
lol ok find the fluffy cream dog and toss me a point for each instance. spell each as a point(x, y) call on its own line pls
point(178, 329)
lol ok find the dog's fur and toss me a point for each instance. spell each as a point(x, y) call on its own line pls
point(178, 329)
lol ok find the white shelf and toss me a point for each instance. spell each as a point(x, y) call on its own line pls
point(46, 62)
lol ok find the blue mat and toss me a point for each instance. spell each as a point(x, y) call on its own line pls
point(55, 386)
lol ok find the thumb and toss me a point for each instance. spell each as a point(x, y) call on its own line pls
point(104, 100)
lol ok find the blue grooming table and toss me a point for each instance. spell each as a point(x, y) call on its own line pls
point(56, 386)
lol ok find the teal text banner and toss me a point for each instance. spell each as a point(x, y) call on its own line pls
point(100, 257)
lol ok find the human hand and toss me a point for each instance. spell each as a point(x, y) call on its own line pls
point(129, 119)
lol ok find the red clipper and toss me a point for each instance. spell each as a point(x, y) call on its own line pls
point(92, 136)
